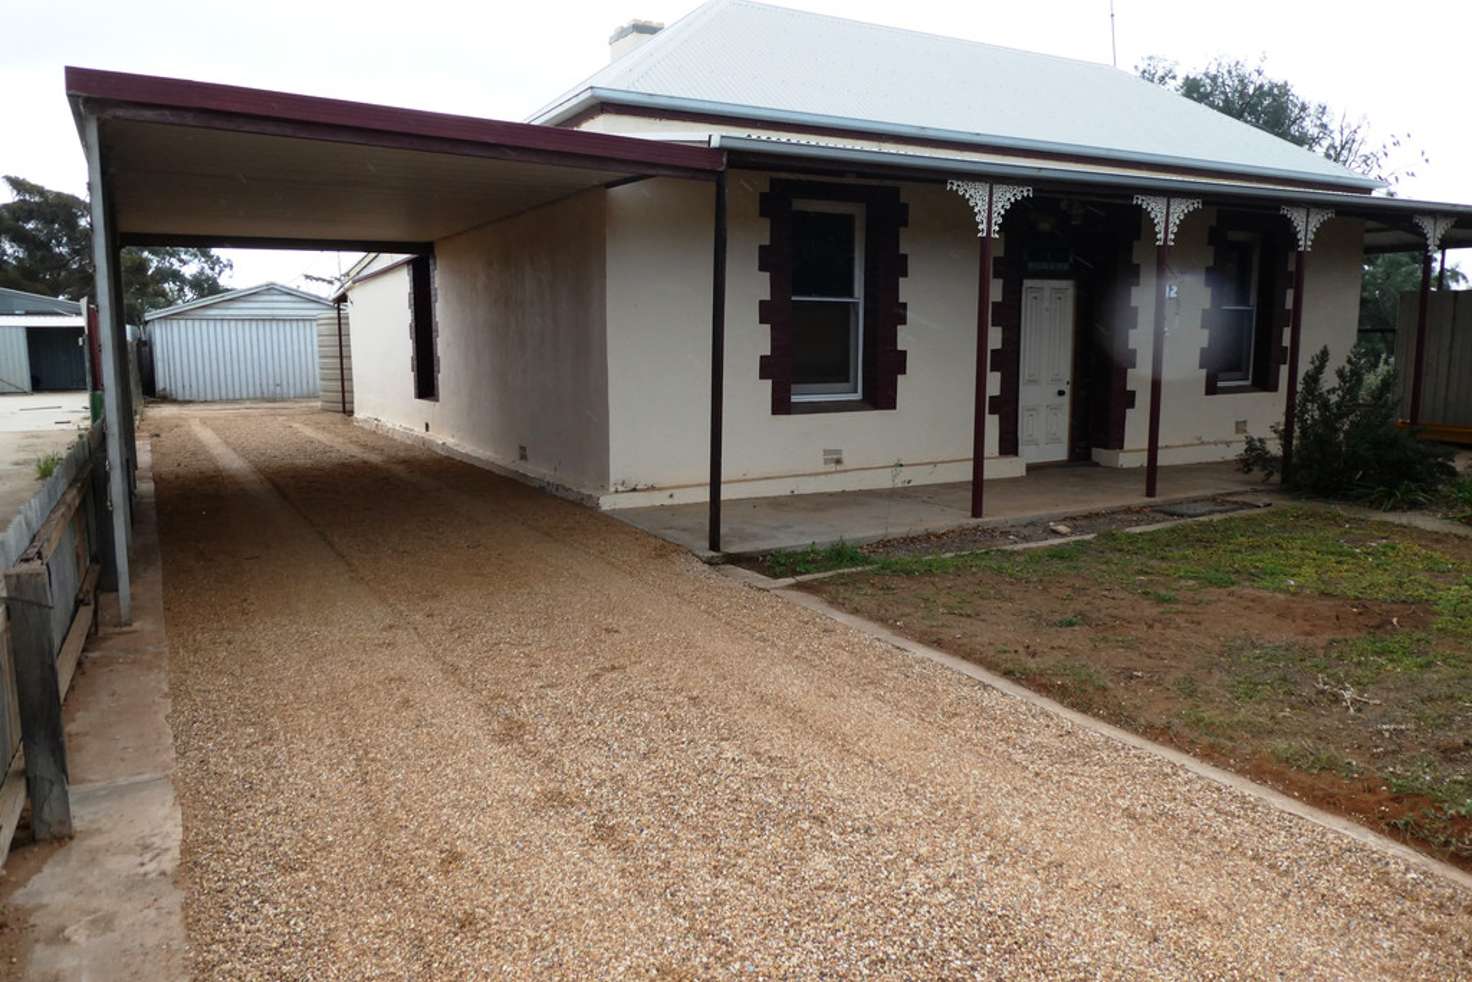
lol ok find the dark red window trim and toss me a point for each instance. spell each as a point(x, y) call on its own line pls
point(884, 266)
point(1275, 278)
point(424, 329)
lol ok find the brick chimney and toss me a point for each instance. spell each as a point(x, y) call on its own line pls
point(630, 36)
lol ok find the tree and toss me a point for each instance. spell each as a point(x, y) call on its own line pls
point(1248, 93)
point(46, 247)
point(1386, 277)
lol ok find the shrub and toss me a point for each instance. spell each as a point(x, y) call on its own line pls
point(1346, 444)
point(1460, 497)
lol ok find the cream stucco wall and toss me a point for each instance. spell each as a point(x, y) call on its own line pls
point(581, 331)
point(659, 278)
point(523, 362)
point(382, 386)
point(1195, 427)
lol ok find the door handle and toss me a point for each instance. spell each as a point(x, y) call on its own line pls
point(1063, 392)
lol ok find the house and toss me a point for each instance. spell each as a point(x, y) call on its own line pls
point(764, 252)
point(43, 343)
point(569, 343)
point(256, 343)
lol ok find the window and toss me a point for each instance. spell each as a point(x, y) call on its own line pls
point(1248, 282)
point(424, 357)
point(833, 309)
point(827, 300)
point(1235, 294)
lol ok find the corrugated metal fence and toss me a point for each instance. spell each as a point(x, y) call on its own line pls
point(1446, 382)
point(337, 372)
point(209, 359)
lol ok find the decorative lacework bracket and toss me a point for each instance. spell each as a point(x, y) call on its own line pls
point(1306, 222)
point(989, 202)
point(1167, 214)
point(1434, 227)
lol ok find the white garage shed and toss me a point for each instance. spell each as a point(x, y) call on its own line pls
point(257, 343)
point(43, 343)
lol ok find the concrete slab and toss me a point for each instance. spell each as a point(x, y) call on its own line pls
point(32, 426)
point(763, 524)
point(49, 411)
point(105, 905)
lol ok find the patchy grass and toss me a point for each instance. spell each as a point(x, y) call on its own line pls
point(1331, 657)
point(1458, 500)
point(47, 464)
point(813, 559)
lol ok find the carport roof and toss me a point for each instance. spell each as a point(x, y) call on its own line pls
point(196, 163)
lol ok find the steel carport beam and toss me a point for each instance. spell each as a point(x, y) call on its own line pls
point(109, 318)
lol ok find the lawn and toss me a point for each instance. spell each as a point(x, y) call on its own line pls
point(1330, 657)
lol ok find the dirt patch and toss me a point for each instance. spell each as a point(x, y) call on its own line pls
point(1332, 662)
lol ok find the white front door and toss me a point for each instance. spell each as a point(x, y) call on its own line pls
point(1045, 378)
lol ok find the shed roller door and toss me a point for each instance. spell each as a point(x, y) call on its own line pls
point(211, 360)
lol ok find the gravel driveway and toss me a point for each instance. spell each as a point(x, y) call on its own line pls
point(432, 723)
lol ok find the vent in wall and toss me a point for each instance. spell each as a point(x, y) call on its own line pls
point(832, 458)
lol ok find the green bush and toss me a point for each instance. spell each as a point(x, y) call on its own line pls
point(1346, 444)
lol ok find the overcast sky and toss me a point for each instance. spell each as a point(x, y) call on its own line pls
point(1395, 65)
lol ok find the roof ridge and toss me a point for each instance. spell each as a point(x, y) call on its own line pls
point(225, 295)
point(912, 32)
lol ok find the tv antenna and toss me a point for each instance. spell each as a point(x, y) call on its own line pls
point(1113, 48)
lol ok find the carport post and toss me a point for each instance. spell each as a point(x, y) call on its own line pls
point(1418, 362)
point(1157, 365)
point(717, 359)
point(110, 317)
point(1295, 339)
point(1306, 222)
point(983, 343)
point(1167, 214)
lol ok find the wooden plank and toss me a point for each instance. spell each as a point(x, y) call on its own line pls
point(28, 597)
point(48, 536)
point(1440, 433)
point(76, 635)
point(12, 799)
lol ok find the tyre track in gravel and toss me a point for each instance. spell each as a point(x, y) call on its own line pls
point(962, 760)
point(1041, 775)
point(264, 497)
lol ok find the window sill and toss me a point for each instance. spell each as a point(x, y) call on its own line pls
point(1238, 388)
point(802, 407)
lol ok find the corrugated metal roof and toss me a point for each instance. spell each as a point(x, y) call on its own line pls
point(736, 57)
point(298, 303)
point(21, 302)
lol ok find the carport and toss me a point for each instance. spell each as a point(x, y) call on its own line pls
point(181, 163)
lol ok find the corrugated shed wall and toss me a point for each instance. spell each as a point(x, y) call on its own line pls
point(209, 359)
point(15, 361)
point(336, 375)
point(1446, 381)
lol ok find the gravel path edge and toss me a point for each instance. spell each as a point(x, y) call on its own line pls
point(1236, 782)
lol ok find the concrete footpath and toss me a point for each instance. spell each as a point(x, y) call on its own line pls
point(105, 905)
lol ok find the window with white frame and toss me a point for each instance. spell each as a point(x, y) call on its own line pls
point(827, 300)
point(1239, 266)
